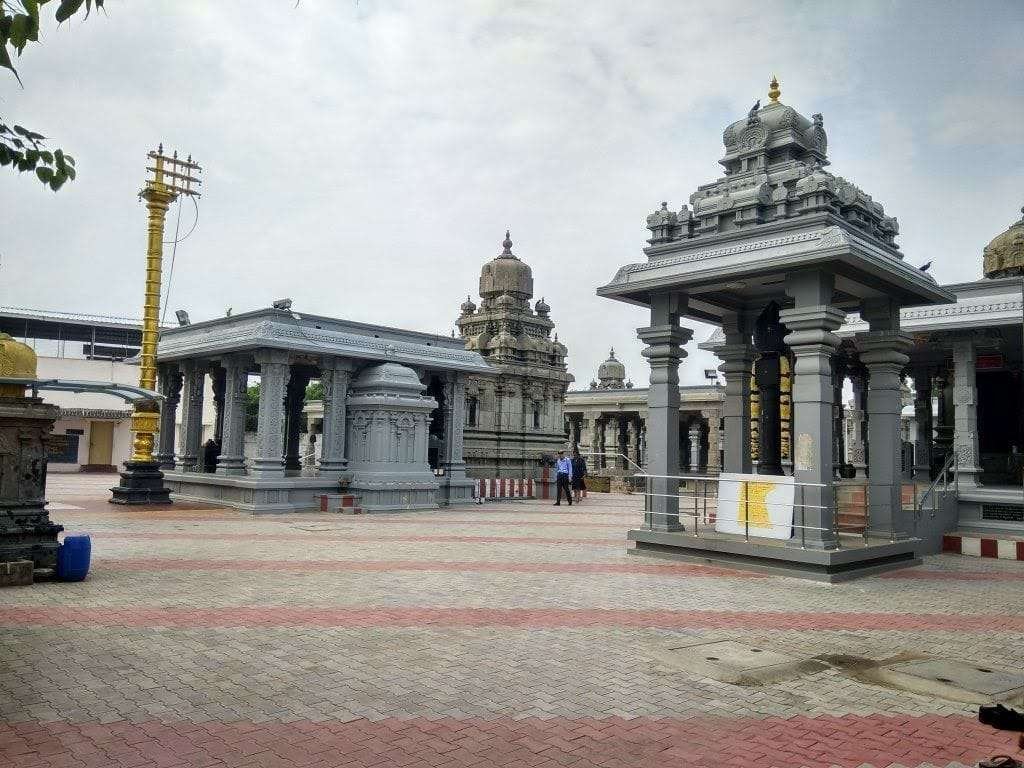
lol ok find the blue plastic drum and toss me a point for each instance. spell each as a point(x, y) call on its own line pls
point(73, 558)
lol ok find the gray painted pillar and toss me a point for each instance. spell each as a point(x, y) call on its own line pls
point(664, 339)
point(217, 382)
point(883, 351)
point(232, 456)
point(923, 419)
point(295, 399)
point(965, 413)
point(194, 373)
point(736, 355)
point(695, 446)
point(714, 440)
point(455, 486)
point(811, 323)
point(274, 374)
point(884, 354)
point(170, 388)
point(334, 378)
point(858, 456)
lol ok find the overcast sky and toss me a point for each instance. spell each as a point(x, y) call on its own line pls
point(366, 158)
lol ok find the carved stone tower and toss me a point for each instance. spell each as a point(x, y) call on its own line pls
point(514, 420)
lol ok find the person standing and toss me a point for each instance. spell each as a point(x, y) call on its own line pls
point(579, 471)
point(563, 478)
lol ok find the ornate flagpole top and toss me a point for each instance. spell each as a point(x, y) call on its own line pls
point(773, 90)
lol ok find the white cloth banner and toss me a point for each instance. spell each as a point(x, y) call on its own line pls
point(766, 501)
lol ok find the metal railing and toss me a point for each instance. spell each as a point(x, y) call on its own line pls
point(950, 467)
point(700, 514)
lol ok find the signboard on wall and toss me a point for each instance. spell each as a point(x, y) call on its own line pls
point(759, 504)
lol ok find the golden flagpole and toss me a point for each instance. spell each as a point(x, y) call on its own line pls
point(141, 480)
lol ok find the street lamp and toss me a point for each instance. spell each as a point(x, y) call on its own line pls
point(142, 482)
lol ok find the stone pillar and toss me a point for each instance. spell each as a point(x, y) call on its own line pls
point(170, 388)
point(274, 375)
point(194, 380)
point(712, 417)
point(217, 382)
point(965, 413)
point(858, 454)
point(631, 444)
point(838, 415)
point(883, 351)
point(664, 339)
point(598, 442)
point(455, 486)
point(335, 377)
point(736, 355)
point(811, 323)
point(923, 419)
point(884, 354)
point(766, 371)
point(695, 444)
point(236, 378)
point(295, 399)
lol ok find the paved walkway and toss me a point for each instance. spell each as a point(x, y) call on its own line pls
point(513, 634)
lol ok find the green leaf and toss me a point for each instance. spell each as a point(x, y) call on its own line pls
point(67, 9)
point(47, 156)
point(69, 160)
point(44, 174)
point(18, 35)
point(5, 62)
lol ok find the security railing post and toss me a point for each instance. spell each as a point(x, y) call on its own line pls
point(803, 520)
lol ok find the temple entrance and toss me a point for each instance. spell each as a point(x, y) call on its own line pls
point(1000, 427)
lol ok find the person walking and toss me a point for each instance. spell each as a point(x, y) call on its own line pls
point(579, 471)
point(563, 478)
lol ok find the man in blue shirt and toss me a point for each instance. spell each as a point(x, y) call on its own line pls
point(563, 479)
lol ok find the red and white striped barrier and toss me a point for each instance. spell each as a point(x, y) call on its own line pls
point(977, 546)
point(503, 488)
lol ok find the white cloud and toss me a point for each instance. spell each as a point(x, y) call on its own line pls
point(365, 158)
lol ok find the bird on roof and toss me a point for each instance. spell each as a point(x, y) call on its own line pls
point(925, 267)
point(753, 109)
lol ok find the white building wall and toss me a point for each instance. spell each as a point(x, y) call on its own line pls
point(111, 371)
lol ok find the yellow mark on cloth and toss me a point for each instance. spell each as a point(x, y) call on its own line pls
point(754, 503)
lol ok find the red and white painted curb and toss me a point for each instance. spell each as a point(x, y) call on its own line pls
point(504, 488)
point(977, 546)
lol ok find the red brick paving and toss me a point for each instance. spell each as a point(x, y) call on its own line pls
point(321, 536)
point(847, 741)
point(372, 566)
point(536, 618)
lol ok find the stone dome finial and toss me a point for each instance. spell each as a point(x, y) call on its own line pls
point(507, 244)
point(773, 90)
point(468, 307)
point(542, 307)
point(1004, 256)
point(611, 373)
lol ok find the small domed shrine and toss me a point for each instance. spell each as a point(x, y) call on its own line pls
point(514, 419)
point(611, 374)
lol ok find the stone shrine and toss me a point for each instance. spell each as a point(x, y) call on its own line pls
point(777, 228)
point(26, 532)
point(376, 424)
point(514, 418)
point(388, 425)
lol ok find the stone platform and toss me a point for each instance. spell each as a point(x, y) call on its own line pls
point(857, 556)
point(251, 494)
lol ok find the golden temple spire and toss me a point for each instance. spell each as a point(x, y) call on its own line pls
point(773, 90)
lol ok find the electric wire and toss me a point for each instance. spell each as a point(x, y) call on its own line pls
point(174, 252)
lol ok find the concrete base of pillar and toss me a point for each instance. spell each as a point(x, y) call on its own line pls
point(778, 557)
point(455, 491)
point(142, 482)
